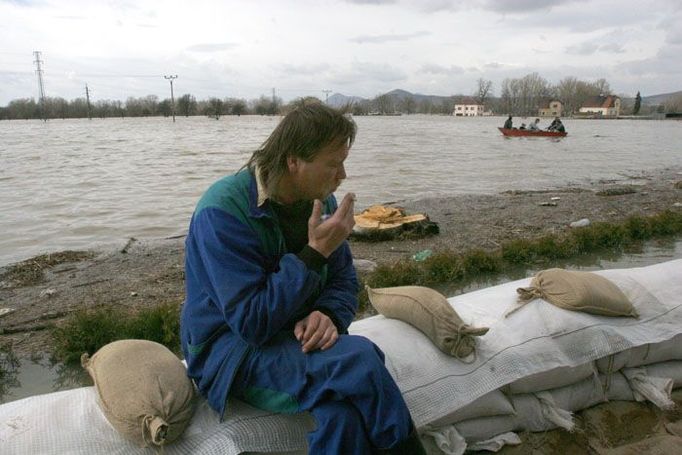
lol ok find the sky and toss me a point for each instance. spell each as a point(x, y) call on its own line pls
point(245, 49)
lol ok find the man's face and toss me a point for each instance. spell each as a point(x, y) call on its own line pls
point(320, 177)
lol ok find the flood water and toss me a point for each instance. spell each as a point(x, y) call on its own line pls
point(78, 184)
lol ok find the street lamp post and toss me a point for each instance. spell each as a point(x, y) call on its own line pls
point(171, 79)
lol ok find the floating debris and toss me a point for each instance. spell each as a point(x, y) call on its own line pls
point(580, 223)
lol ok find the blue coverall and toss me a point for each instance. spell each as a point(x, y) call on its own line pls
point(245, 292)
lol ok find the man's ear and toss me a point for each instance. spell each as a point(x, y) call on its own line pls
point(292, 163)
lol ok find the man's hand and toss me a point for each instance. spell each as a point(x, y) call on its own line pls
point(316, 331)
point(326, 236)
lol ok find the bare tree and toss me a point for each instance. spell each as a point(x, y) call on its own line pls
point(484, 89)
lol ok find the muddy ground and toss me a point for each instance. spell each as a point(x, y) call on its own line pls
point(38, 293)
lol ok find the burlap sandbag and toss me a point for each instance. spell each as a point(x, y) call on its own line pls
point(430, 312)
point(578, 291)
point(143, 390)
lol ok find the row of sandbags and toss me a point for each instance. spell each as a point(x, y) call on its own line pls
point(548, 400)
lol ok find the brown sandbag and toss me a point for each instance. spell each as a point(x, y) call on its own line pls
point(143, 390)
point(429, 311)
point(578, 291)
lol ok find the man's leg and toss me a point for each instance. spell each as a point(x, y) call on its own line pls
point(339, 430)
point(281, 378)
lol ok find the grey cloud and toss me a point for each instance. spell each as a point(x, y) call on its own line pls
point(293, 70)
point(615, 48)
point(589, 48)
point(524, 6)
point(665, 63)
point(371, 2)
point(439, 69)
point(387, 38)
point(211, 47)
point(361, 72)
point(585, 48)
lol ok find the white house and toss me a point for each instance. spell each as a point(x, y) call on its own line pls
point(468, 107)
point(607, 106)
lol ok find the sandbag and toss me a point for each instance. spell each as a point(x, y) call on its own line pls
point(491, 404)
point(143, 390)
point(429, 311)
point(671, 369)
point(646, 354)
point(578, 291)
point(552, 379)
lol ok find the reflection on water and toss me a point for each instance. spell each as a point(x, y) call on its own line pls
point(38, 376)
point(75, 184)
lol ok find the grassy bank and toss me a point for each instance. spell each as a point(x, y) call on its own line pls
point(88, 330)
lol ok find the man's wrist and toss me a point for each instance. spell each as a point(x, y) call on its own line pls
point(312, 258)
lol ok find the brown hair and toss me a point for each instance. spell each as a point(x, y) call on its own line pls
point(302, 133)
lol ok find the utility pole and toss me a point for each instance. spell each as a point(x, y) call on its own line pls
point(41, 86)
point(87, 99)
point(171, 79)
point(326, 95)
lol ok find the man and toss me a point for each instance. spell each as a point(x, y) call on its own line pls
point(508, 123)
point(271, 291)
point(534, 126)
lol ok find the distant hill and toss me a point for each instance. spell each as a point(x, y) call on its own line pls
point(655, 100)
point(339, 100)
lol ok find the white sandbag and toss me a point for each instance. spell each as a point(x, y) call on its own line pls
point(496, 443)
point(536, 415)
point(491, 404)
point(616, 387)
point(483, 428)
point(552, 379)
point(549, 409)
point(671, 369)
point(645, 387)
point(642, 355)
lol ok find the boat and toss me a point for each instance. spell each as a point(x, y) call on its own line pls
point(518, 132)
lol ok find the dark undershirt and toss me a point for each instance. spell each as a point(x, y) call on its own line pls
point(293, 221)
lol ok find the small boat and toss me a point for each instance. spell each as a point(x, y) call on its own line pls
point(518, 132)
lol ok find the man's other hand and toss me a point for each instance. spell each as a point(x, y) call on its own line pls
point(316, 331)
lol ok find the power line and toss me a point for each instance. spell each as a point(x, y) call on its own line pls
point(171, 79)
point(87, 97)
point(41, 86)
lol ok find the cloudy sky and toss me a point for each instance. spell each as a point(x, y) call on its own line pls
point(244, 49)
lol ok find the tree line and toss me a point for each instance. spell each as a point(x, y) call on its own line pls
point(147, 106)
point(517, 96)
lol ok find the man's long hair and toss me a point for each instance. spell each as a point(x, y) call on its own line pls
point(302, 133)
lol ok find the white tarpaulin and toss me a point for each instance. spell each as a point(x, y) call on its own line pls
point(537, 338)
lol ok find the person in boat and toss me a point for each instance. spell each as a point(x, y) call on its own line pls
point(557, 125)
point(271, 290)
point(534, 126)
point(523, 126)
point(508, 123)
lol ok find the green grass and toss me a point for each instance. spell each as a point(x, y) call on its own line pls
point(87, 331)
point(462, 269)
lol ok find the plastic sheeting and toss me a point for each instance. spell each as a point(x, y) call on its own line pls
point(535, 339)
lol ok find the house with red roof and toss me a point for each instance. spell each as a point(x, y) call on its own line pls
point(606, 106)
